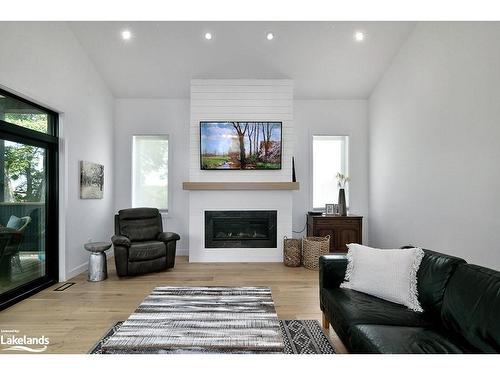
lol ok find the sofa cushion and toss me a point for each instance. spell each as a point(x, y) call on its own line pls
point(399, 340)
point(147, 250)
point(390, 274)
point(432, 278)
point(139, 224)
point(138, 213)
point(346, 308)
point(140, 267)
point(471, 306)
point(15, 222)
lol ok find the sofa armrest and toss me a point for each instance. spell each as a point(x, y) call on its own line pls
point(168, 236)
point(332, 270)
point(120, 241)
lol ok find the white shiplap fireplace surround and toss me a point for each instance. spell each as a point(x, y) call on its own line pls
point(240, 100)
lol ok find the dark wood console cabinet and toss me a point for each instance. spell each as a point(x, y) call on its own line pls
point(342, 230)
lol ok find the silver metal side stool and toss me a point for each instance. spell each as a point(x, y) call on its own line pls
point(98, 269)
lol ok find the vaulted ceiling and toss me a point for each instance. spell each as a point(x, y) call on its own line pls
point(323, 58)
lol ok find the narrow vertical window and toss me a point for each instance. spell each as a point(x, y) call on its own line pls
point(150, 171)
point(330, 154)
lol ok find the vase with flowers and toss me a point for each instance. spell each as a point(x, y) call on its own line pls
point(342, 181)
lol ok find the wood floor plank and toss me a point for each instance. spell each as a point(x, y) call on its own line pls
point(76, 318)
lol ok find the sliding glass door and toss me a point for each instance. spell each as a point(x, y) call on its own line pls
point(28, 198)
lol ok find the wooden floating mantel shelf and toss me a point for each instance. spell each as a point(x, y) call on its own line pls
point(240, 185)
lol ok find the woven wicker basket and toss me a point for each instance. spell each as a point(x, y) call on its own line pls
point(292, 249)
point(312, 249)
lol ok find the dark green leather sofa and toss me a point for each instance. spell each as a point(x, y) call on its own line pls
point(461, 305)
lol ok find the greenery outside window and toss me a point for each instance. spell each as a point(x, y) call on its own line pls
point(21, 113)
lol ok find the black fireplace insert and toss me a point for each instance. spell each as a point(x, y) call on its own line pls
point(240, 229)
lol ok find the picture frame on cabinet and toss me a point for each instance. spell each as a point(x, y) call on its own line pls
point(330, 209)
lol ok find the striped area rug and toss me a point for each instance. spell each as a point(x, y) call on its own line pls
point(201, 319)
point(299, 337)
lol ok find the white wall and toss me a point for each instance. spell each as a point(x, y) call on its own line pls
point(155, 116)
point(435, 143)
point(331, 117)
point(43, 61)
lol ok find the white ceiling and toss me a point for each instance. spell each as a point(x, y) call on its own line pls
point(321, 57)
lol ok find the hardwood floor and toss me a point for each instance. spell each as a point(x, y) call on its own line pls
point(76, 318)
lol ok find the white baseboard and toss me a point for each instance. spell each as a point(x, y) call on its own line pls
point(77, 270)
point(181, 252)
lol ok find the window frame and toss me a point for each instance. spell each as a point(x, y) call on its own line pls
point(163, 211)
point(50, 142)
point(52, 124)
point(346, 155)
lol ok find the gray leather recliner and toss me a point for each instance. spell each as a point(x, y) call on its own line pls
point(140, 244)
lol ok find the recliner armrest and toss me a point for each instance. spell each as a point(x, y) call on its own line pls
point(121, 241)
point(332, 270)
point(168, 236)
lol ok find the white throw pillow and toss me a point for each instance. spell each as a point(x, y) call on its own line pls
point(388, 274)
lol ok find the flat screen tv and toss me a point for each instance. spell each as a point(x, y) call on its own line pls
point(240, 145)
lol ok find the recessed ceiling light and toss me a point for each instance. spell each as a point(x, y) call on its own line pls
point(270, 36)
point(126, 35)
point(359, 36)
point(208, 36)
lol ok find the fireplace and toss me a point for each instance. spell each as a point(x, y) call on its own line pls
point(240, 229)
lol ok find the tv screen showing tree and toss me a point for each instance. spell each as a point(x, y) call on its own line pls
point(240, 145)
